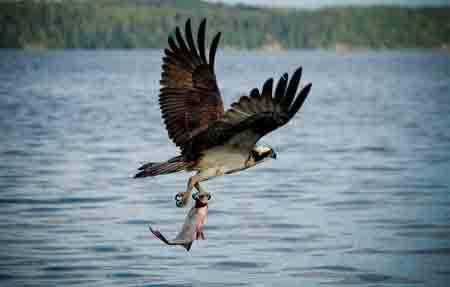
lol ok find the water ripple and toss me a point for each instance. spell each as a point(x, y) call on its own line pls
point(357, 196)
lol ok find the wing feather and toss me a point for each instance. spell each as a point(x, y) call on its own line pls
point(212, 51)
point(299, 100)
point(201, 40)
point(172, 45)
point(189, 97)
point(181, 43)
point(191, 43)
point(254, 116)
point(292, 88)
point(281, 88)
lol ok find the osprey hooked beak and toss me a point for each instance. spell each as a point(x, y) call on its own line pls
point(273, 155)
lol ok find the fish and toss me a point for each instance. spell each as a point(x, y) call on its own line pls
point(193, 224)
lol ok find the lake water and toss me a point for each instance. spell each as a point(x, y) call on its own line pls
point(359, 194)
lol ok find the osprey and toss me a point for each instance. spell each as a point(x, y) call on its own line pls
point(213, 141)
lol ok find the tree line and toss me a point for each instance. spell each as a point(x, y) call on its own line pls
point(133, 24)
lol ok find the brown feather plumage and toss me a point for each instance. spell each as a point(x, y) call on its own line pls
point(259, 113)
point(189, 98)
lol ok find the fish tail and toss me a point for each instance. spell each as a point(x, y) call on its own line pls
point(160, 236)
point(188, 245)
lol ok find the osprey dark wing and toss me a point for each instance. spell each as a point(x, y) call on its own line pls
point(189, 97)
point(256, 115)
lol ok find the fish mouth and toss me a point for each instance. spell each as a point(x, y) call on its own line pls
point(202, 196)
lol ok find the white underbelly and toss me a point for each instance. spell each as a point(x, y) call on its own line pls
point(223, 160)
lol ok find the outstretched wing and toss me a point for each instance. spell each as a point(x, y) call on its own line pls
point(189, 97)
point(254, 116)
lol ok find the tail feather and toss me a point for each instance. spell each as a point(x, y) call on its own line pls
point(156, 168)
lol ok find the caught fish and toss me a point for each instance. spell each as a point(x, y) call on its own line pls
point(193, 224)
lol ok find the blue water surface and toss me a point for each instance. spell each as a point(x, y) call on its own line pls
point(359, 194)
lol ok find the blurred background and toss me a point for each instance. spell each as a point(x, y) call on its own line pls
point(325, 24)
point(359, 194)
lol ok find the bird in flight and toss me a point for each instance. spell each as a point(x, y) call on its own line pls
point(213, 141)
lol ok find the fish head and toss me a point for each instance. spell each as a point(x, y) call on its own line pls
point(201, 198)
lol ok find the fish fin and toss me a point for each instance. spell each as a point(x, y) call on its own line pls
point(160, 236)
point(187, 245)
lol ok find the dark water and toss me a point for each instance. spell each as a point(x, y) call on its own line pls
point(359, 194)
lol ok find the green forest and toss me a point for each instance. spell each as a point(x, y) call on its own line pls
point(133, 24)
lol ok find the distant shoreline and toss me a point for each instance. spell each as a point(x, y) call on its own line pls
point(138, 24)
point(231, 51)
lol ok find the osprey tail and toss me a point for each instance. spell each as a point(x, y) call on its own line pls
point(175, 164)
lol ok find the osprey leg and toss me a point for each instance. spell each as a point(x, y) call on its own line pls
point(199, 188)
point(182, 198)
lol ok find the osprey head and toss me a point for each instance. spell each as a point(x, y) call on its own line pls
point(262, 153)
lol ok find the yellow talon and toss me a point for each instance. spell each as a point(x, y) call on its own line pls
point(181, 199)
